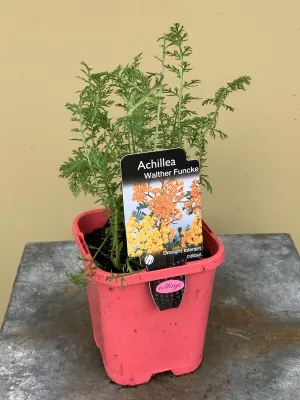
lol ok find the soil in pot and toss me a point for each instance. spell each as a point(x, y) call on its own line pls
point(94, 240)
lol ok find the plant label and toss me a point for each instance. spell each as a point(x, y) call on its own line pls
point(161, 195)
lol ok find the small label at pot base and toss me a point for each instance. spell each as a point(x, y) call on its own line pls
point(170, 286)
point(168, 293)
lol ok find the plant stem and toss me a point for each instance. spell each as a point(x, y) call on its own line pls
point(173, 130)
point(132, 137)
point(164, 132)
point(98, 251)
point(180, 97)
point(216, 112)
point(114, 220)
point(212, 120)
point(131, 110)
point(83, 138)
point(129, 144)
point(160, 94)
point(115, 246)
point(84, 270)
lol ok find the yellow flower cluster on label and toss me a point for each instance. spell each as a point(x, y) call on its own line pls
point(146, 237)
point(193, 236)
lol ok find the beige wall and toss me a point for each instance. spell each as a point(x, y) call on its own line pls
point(255, 174)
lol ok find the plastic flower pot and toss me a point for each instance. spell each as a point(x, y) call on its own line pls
point(135, 339)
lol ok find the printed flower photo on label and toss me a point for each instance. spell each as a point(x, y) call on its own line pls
point(165, 216)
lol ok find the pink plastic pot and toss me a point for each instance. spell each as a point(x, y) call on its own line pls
point(137, 340)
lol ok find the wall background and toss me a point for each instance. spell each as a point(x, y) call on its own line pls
point(255, 174)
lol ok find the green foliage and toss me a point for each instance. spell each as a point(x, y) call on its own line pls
point(146, 124)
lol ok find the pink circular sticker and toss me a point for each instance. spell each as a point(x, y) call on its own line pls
point(173, 285)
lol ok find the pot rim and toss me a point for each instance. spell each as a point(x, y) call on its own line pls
point(213, 243)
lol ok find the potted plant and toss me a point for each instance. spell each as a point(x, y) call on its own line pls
point(123, 112)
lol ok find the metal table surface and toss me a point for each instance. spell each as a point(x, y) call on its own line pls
point(252, 349)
